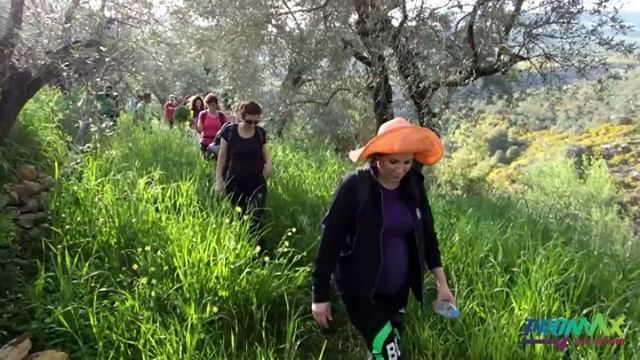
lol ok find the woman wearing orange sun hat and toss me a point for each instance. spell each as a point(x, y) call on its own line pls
point(378, 237)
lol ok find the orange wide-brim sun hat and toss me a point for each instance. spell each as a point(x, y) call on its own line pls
point(399, 136)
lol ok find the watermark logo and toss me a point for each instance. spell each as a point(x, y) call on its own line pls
point(597, 331)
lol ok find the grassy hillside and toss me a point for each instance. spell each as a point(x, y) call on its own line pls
point(145, 262)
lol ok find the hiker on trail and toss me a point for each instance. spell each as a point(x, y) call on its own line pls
point(214, 148)
point(143, 112)
point(244, 164)
point(170, 110)
point(379, 237)
point(209, 122)
point(197, 106)
point(108, 104)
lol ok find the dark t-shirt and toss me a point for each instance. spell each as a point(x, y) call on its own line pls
point(245, 156)
point(398, 226)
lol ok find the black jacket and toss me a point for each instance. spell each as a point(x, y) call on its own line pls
point(351, 243)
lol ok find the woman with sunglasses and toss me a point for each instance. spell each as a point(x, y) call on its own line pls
point(244, 164)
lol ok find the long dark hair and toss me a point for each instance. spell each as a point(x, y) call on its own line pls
point(193, 105)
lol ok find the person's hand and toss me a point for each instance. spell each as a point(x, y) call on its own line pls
point(444, 294)
point(268, 170)
point(322, 313)
point(219, 186)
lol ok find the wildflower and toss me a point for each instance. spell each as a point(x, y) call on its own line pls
point(266, 259)
point(143, 281)
point(286, 244)
point(226, 220)
point(134, 266)
point(258, 248)
point(214, 309)
point(238, 209)
point(147, 248)
point(293, 230)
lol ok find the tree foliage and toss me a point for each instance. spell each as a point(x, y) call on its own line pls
point(301, 58)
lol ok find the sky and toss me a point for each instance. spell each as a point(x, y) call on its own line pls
point(632, 5)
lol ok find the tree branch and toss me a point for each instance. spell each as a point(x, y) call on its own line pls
point(403, 21)
point(471, 41)
point(11, 35)
point(508, 26)
point(295, 19)
point(364, 59)
point(321, 103)
point(312, 9)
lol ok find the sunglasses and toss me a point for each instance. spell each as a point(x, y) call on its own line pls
point(252, 122)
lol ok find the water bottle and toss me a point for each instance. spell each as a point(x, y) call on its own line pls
point(446, 309)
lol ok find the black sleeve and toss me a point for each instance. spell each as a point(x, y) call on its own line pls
point(336, 225)
point(264, 135)
point(431, 246)
point(226, 132)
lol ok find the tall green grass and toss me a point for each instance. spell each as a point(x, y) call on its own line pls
point(147, 262)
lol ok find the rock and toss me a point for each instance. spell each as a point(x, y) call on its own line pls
point(44, 200)
point(625, 148)
point(45, 230)
point(26, 190)
point(48, 355)
point(34, 187)
point(16, 349)
point(48, 182)
point(635, 175)
point(577, 151)
point(625, 169)
point(29, 221)
point(27, 172)
point(34, 234)
point(622, 120)
point(31, 206)
point(14, 199)
point(607, 151)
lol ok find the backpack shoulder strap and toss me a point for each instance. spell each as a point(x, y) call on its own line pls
point(233, 131)
point(202, 115)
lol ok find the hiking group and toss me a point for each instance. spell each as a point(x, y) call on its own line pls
point(378, 236)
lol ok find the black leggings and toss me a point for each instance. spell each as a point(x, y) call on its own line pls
point(379, 323)
point(250, 194)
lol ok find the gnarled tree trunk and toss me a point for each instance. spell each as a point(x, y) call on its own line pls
point(369, 29)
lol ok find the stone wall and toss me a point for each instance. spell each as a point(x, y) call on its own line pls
point(26, 201)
